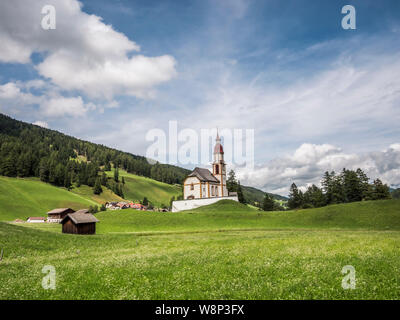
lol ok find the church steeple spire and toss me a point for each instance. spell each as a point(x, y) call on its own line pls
point(218, 149)
point(219, 170)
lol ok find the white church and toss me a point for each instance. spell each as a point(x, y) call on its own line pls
point(201, 187)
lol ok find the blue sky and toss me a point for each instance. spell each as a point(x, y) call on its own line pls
point(317, 96)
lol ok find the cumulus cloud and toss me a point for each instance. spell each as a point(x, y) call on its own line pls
point(345, 99)
point(82, 53)
point(308, 163)
point(11, 95)
point(61, 106)
point(15, 97)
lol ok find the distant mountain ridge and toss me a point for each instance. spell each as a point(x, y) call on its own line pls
point(253, 195)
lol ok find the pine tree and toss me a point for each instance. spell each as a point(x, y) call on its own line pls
point(97, 187)
point(104, 179)
point(313, 197)
point(123, 180)
point(352, 187)
point(7, 168)
point(107, 166)
point(145, 202)
point(364, 184)
point(268, 203)
point(67, 181)
point(381, 191)
point(121, 192)
point(172, 200)
point(44, 170)
point(116, 174)
point(327, 186)
point(295, 197)
point(240, 193)
point(337, 191)
point(231, 183)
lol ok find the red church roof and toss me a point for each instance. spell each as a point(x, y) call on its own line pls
point(218, 148)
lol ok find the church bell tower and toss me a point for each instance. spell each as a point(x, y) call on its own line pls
point(219, 167)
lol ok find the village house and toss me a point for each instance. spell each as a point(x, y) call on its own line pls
point(138, 206)
point(79, 223)
point(124, 205)
point(56, 215)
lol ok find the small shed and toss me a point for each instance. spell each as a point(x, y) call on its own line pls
point(79, 223)
point(56, 215)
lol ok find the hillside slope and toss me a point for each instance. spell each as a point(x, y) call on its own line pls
point(253, 195)
point(137, 187)
point(22, 198)
point(373, 215)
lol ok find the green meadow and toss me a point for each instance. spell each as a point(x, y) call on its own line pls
point(26, 197)
point(29, 197)
point(137, 187)
point(222, 251)
point(270, 264)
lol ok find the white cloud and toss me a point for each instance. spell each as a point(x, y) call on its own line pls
point(11, 96)
point(82, 53)
point(60, 106)
point(308, 163)
point(43, 124)
point(15, 97)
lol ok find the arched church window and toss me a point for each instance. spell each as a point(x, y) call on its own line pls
point(217, 169)
point(192, 186)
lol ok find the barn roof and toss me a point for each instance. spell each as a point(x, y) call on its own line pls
point(59, 210)
point(82, 211)
point(80, 217)
point(203, 175)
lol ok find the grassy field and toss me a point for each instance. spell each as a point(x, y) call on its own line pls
point(229, 215)
point(223, 251)
point(87, 193)
point(22, 198)
point(137, 187)
point(216, 265)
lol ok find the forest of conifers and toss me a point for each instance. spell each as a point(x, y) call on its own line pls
point(28, 150)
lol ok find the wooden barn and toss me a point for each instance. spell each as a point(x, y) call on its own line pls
point(56, 215)
point(79, 223)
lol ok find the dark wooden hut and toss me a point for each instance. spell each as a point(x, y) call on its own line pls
point(79, 223)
